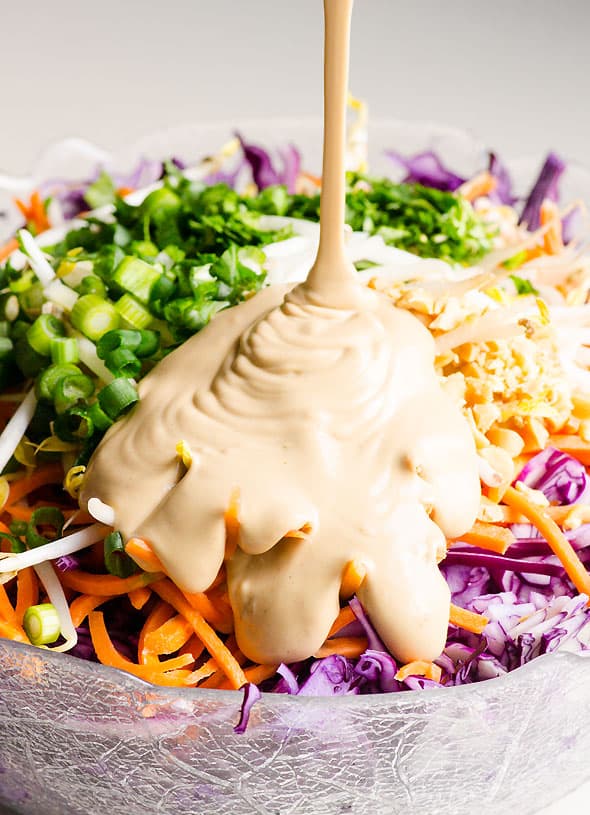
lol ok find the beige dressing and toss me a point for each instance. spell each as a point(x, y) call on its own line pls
point(322, 407)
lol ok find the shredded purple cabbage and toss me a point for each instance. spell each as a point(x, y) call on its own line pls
point(427, 169)
point(560, 477)
point(264, 172)
point(546, 186)
point(251, 696)
point(502, 194)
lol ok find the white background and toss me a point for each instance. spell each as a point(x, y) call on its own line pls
point(514, 73)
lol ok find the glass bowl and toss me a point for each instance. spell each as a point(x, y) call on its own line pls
point(77, 738)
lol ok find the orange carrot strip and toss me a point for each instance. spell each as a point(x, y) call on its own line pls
point(139, 597)
point(157, 617)
point(123, 191)
point(104, 584)
point(350, 647)
point(255, 674)
point(108, 655)
point(553, 237)
point(27, 592)
point(194, 646)
point(419, 668)
point(50, 474)
point(226, 661)
point(481, 184)
point(12, 632)
point(202, 603)
point(143, 554)
point(170, 636)
point(559, 544)
point(353, 575)
point(39, 215)
point(20, 513)
point(6, 609)
point(23, 208)
point(8, 248)
point(208, 670)
point(488, 536)
point(345, 617)
point(468, 620)
point(81, 607)
point(573, 445)
point(232, 524)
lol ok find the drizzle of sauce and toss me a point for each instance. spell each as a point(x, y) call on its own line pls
point(320, 404)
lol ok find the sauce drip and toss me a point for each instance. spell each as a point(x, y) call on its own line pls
point(321, 406)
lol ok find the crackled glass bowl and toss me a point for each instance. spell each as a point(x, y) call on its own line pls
point(78, 738)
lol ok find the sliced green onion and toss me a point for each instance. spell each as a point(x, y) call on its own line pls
point(91, 284)
point(123, 362)
point(32, 299)
point(163, 289)
point(4, 328)
point(74, 425)
point(118, 397)
point(48, 380)
point(160, 200)
point(132, 312)
point(42, 624)
point(29, 361)
point(126, 338)
point(45, 329)
point(94, 316)
point(70, 390)
point(18, 528)
point(60, 294)
point(116, 559)
point(9, 307)
point(150, 343)
point(44, 516)
point(64, 350)
point(16, 545)
point(22, 283)
point(98, 417)
point(136, 277)
point(6, 348)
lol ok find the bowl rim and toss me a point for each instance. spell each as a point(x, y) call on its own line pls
point(404, 699)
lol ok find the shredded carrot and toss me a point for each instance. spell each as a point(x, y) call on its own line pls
point(108, 655)
point(158, 615)
point(232, 524)
point(344, 618)
point(27, 592)
point(40, 218)
point(481, 184)
point(223, 622)
point(419, 668)
point(488, 536)
point(49, 474)
point(194, 646)
point(123, 191)
point(23, 208)
point(6, 609)
point(573, 445)
point(207, 670)
point(139, 597)
point(81, 607)
point(353, 575)
point(8, 248)
point(87, 583)
point(350, 647)
point(226, 661)
point(143, 554)
point(170, 636)
point(468, 620)
point(557, 541)
point(553, 237)
point(12, 632)
point(255, 674)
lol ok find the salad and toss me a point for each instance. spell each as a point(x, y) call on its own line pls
point(110, 275)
